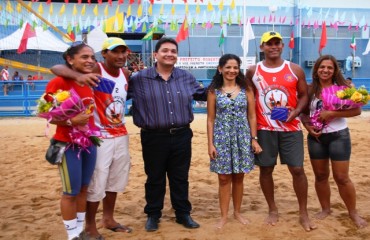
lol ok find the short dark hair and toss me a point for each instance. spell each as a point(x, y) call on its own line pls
point(349, 78)
point(165, 40)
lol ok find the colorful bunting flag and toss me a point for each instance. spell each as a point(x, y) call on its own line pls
point(323, 39)
point(222, 38)
point(28, 33)
point(148, 36)
point(291, 41)
point(184, 31)
point(353, 42)
point(367, 50)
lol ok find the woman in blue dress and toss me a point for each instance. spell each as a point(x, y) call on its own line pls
point(232, 133)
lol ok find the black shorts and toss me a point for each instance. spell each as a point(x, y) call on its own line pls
point(334, 145)
point(288, 145)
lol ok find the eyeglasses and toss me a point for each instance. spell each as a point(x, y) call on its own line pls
point(272, 33)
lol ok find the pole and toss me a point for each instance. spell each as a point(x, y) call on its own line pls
point(244, 34)
point(189, 44)
point(353, 63)
point(44, 20)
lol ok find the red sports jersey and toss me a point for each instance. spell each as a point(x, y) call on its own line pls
point(275, 87)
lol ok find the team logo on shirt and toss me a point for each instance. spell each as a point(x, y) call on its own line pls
point(289, 77)
point(115, 111)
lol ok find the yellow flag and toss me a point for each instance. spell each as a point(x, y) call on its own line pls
point(74, 12)
point(221, 5)
point(129, 10)
point(232, 6)
point(51, 9)
point(161, 11)
point(40, 9)
point(96, 12)
point(117, 10)
point(106, 13)
point(140, 10)
point(173, 10)
point(150, 10)
point(29, 5)
point(19, 7)
point(209, 6)
point(197, 9)
point(62, 9)
point(8, 7)
point(83, 10)
point(186, 9)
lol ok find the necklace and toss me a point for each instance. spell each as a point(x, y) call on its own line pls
point(229, 94)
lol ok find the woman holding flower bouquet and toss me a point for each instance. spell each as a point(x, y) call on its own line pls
point(78, 162)
point(329, 137)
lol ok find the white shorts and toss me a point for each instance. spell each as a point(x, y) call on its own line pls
point(111, 170)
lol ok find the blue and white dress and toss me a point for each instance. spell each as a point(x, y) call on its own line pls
point(231, 135)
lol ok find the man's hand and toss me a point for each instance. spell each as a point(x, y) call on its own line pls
point(293, 113)
point(90, 79)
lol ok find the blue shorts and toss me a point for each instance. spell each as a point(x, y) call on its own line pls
point(76, 172)
point(334, 145)
point(288, 145)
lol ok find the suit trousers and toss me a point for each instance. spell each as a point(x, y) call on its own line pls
point(166, 153)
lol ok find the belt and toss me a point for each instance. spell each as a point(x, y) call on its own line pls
point(166, 130)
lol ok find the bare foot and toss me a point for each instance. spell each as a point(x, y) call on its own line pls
point(272, 218)
point(323, 214)
point(306, 223)
point(359, 221)
point(241, 219)
point(221, 223)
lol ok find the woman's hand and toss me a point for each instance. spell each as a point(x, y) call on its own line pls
point(81, 119)
point(256, 147)
point(326, 116)
point(212, 152)
point(312, 131)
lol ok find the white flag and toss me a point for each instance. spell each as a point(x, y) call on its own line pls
point(367, 50)
point(247, 35)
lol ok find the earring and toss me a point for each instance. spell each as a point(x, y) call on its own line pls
point(220, 73)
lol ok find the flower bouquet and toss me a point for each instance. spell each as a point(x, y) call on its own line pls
point(339, 98)
point(63, 105)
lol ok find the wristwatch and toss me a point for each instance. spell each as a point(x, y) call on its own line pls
point(68, 122)
point(255, 138)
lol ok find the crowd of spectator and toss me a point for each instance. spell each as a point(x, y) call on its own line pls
point(9, 83)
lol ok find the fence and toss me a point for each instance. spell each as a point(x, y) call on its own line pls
point(22, 96)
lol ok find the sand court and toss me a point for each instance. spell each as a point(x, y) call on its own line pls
point(30, 191)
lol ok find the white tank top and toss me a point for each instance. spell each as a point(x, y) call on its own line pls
point(334, 125)
point(110, 108)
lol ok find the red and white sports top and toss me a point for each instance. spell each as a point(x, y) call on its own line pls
point(275, 87)
point(110, 108)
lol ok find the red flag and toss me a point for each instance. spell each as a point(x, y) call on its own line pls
point(183, 32)
point(291, 42)
point(28, 33)
point(323, 39)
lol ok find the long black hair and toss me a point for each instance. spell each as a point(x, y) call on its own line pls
point(338, 77)
point(217, 80)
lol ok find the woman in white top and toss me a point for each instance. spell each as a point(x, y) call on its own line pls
point(332, 142)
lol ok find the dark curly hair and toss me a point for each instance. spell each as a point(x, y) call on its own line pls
point(73, 50)
point(217, 80)
point(338, 77)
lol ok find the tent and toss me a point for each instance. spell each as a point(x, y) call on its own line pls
point(44, 41)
